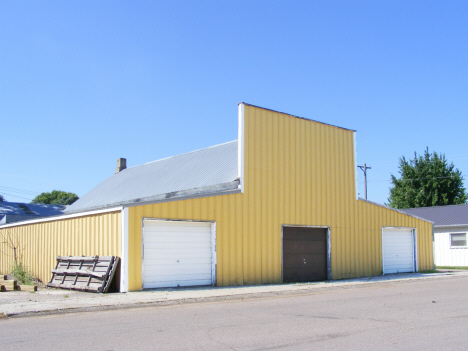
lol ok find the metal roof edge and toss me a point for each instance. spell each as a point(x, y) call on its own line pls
point(394, 209)
point(307, 119)
point(449, 225)
point(64, 216)
point(212, 190)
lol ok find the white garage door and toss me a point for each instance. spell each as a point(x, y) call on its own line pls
point(398, 250)
point(177, 253)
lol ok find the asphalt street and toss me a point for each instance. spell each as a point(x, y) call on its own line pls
point(400, 315)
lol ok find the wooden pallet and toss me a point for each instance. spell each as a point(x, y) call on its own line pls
point(87, 273)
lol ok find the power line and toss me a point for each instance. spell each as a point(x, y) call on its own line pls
point(16, 196)
point(19, 191)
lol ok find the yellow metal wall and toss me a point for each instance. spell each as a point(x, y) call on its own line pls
point(296, 172)
point(41, 243)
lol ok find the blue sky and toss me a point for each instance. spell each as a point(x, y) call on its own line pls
point(83, 83)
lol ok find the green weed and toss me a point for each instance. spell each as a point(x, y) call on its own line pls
point(22, 275)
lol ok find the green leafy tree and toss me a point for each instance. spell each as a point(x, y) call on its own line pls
point(1, 198)
point(55, 197)
point(427, 180)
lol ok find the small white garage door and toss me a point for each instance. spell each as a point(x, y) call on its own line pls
point(398, 250)
point(177, 253)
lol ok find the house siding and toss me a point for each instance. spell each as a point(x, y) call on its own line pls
point(445, 255)
point(296, 172)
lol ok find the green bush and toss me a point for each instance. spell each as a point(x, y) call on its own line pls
point(22, 275)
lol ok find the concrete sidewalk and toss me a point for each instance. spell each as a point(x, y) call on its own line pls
point(47, 301)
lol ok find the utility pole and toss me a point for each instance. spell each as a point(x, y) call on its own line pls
point(365, 168)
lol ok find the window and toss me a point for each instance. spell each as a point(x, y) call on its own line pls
point(458, 239)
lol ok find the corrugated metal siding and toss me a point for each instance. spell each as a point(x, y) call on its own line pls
point(98, 234)
point(296, 172)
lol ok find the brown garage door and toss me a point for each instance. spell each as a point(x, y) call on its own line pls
point(304, 254)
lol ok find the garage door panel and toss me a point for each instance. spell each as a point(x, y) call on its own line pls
point(304, 233)
point(174, 225)
point(183, 242)
point(168, 276)
point(301, 276)
point(304, 259)
point(182, 263)
point(169, 257)
point(304, 246)
point(176, 283)
point(398, 250)
point(177, 253)
point(177, 235)
point(181, 267)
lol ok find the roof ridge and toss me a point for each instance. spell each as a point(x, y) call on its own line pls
point(183, 154)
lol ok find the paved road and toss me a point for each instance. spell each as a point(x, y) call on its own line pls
point(426, 314)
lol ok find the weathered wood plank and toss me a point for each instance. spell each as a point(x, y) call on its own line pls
point(85, 258)
point(80, 272)
point(30, 288)
point(10, 285)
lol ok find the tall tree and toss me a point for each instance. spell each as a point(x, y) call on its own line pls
point(427, 180)
point(1, 198)
point(55, 197)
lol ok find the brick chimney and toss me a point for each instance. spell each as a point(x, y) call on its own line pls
point(121, 165)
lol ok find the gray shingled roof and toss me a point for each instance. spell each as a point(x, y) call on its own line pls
point(451, 215)
point(203, 172)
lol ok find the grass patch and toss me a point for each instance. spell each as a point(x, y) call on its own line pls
point(451, 267)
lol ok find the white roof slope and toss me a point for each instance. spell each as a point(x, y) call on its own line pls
point(203, 172)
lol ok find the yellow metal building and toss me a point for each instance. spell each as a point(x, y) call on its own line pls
point(295, 179)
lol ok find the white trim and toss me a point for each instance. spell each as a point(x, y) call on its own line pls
point(415, 239)
point(329, 277)
point(240, 145)
point(124, 253)
point(457, 247)
point(213, 254)
point(355, 166)
point(61, 217)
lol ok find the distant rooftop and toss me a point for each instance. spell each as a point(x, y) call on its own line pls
point(450, 215)
point(204, 172)
point(17, 211)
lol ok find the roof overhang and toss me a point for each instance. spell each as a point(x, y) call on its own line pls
point(212, 190)
point(450, 225)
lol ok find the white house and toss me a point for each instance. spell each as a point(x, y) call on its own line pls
point(450, 232)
